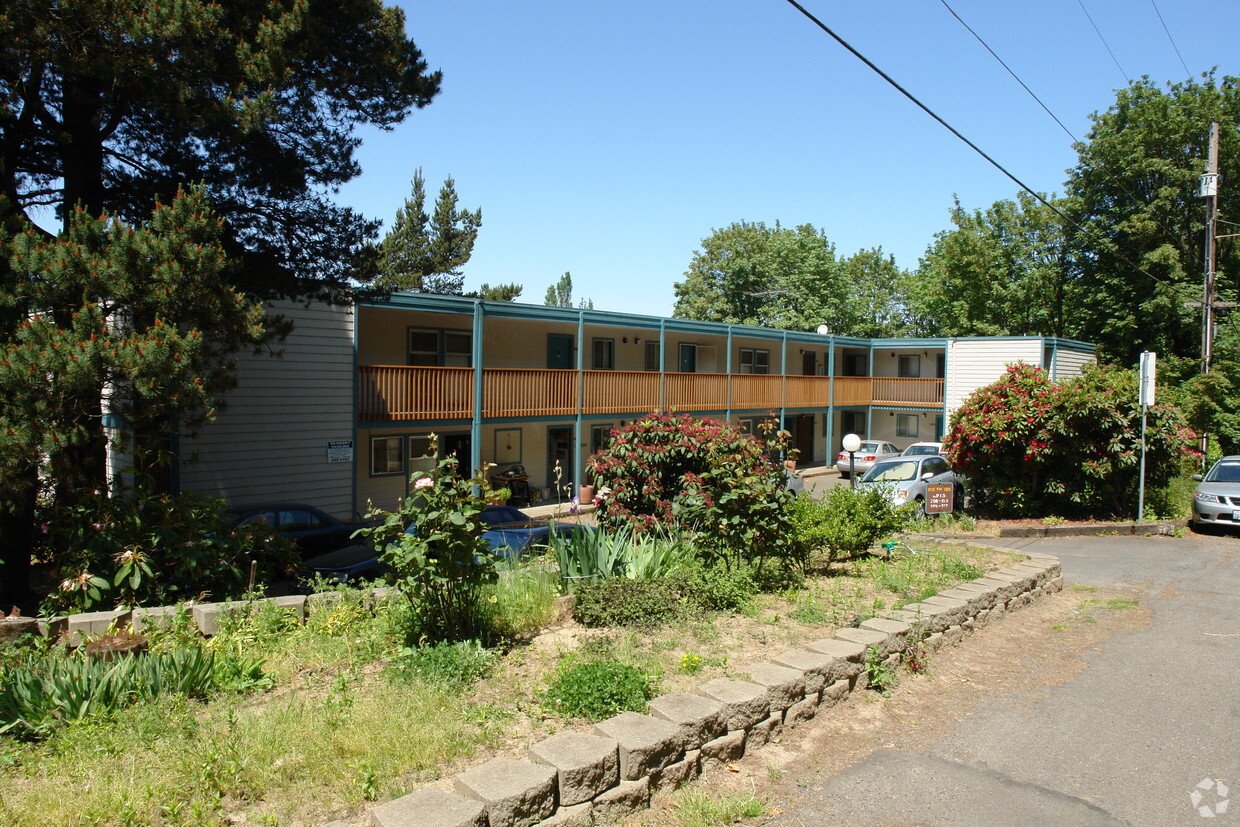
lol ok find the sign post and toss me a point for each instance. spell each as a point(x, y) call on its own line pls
point(1145, 399)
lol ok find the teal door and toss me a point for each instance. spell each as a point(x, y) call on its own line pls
point(560, 351)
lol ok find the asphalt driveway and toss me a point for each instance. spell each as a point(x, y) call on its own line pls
point(1153, 713)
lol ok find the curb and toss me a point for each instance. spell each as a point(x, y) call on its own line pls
point(1090, 530)
point(578, 779)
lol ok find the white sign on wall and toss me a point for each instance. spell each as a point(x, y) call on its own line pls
point(339, 450)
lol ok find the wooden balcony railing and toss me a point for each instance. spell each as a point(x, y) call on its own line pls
point(395, 393)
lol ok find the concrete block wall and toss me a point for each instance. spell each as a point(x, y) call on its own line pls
point(575, 778)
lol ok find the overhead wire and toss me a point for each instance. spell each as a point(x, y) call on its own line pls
point(1114, 179)
point(874, 67)
point(1098, 32)
point(1172, 39)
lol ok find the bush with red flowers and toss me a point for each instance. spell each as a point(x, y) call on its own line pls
point(1032, 447)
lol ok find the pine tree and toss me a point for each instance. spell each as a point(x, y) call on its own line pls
point(426, 253)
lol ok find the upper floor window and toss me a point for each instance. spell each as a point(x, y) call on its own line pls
point(440, 348)
point(653, 360)
point(755, 361)
point(604, 354)
point(909, 366)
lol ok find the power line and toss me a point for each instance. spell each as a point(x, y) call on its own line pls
point(826, 29)
point(1114, 179)
point(1172, 39)
point(1098, 32)
point(1009, 70)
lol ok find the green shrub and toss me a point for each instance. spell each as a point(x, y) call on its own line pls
point(717, 588)
point(595, 690)
point(847, 521)
point(701, 476)
point(454, 665)
point(441, 564)
point(140, 548)
point(624, 602)
point(38, 697)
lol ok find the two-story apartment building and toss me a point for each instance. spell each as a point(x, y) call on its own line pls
point(346, 414)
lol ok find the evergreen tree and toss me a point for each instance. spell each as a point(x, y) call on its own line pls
point(426, 253)
point(498, 292)
point(560, 294)
point(120, 324)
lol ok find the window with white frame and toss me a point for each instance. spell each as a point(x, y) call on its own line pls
point(754, 360)
point(907, 425)
point(387, 455)
point(909, 366)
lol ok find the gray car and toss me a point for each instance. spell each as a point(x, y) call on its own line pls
point(906, 479)
point(872, 451)
point(1217, 498)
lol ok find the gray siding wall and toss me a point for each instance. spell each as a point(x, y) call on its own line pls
point(1069, 363)
point(975, 363)
point(269, 443)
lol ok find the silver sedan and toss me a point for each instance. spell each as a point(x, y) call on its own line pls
point(1217, 498)
point(908, 478)
point(871, 451)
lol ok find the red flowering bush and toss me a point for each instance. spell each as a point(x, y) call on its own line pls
point(695, 474)
point(1032, 447)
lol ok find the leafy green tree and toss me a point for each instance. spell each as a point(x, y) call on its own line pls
point(749, 273)
point(878, 294)
point(1003, 271)
point(1135, 190)
point(426, 253)
point(560, 294)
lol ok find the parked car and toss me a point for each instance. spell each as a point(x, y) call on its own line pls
point(1217, 498)
point(871, 451)
point(511, 534)
point(312, 531)
point(922, 449)
point(906, 479)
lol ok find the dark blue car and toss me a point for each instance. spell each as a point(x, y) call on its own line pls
point(312, 531)
point(510, 535)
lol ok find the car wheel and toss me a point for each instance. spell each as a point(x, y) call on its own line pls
point(921, 508)
point(958, 498)
point(843, 475)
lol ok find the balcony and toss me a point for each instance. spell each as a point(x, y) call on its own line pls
point(390, 393)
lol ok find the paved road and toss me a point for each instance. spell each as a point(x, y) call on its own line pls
point(1125, 741)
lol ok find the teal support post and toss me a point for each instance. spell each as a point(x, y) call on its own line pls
point(581, 396)
point(728, 368)
point(783, 383)
point(830, 429)
point(869, 407)
point(662, 367)
point(475, 428)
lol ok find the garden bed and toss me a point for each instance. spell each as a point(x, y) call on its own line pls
point(338, 729)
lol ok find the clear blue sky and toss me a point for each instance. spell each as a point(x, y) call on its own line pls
point(608, 139)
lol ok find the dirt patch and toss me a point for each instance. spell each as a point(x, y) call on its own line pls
point(1024, 655)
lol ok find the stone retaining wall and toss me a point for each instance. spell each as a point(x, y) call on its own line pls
point(576, 779)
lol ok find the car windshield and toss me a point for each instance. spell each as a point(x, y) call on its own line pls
point(894, 471)
point(920, 450)
point(1224, 472)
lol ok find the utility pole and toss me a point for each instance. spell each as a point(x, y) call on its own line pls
point(1209, 191)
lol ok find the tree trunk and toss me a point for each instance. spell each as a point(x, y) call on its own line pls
point(17, 534)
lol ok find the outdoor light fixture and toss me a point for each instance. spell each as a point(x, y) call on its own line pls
point(852, 444)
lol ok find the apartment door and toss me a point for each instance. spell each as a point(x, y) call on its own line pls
point(560, 351)
point(803, 437)
point(560, 449)
point(459, 444)
point(688, 358)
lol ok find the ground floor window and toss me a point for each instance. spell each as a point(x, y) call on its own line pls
point(600, 435)
point(387, 455)
point(907, 425)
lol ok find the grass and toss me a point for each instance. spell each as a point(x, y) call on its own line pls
point(339, 730)
point(696, 808)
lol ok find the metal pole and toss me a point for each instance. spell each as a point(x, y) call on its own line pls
point(1210, 192)
point(1141, 488)
point(852, 469)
